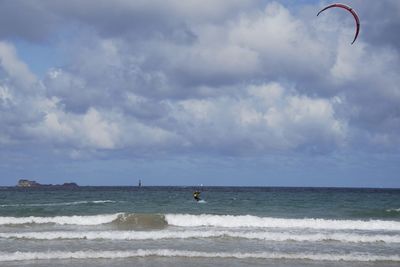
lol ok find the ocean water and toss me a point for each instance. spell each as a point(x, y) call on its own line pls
point(231, 226)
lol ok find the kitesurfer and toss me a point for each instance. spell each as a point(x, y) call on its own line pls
point(196, 195)
point(351, 10)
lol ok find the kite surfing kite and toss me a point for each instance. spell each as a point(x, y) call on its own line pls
point(348, 9)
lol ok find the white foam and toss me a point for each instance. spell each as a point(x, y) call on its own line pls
point(90, 254)
point(186, 220)
point(224, 221)
point(58, 204)
point(168, 234)
point(63, 220)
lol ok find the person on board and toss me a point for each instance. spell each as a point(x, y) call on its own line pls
point(196, 195)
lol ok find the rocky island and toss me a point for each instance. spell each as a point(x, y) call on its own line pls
point(33, 184)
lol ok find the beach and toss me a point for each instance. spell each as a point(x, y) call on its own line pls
point(231, 226)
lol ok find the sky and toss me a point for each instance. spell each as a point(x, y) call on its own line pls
point(212, 92)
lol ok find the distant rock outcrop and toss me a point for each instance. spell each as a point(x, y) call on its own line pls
point(69, 185)
point(33, 184)
point(27, 183)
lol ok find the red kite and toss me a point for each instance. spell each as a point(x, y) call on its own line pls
point(351, 11)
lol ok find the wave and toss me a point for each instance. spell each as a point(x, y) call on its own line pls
point(157, 235)
point(63, 220)
point(158, 221)
point(140, 221)
point(393, 210)
point(120, 220)
point(58, 204)
point(90, 254)
point(187, 220)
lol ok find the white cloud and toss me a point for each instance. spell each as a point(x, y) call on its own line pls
point(100, 132)
point(287, 122)
point(283, 42)
point(5, 96)
point(90, 130)
point(15, 68)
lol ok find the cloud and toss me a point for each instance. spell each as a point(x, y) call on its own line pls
point(14, 68)
point(217, 77)
point(33, 23)
point(42, 19)
point(379, 22)
point(90, 130)
point(264, 119)
point(95, 130)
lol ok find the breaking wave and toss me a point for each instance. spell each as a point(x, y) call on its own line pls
point(168, 234)
point(90, 254)
point(120, 220)
point(63, 220)
point(186, 220)
point(140, 221)
point(393, 210)
point(158, 221)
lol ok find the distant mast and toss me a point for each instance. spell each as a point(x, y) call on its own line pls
point(140, 183)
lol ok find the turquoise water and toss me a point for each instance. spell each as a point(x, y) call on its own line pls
point(232, 226)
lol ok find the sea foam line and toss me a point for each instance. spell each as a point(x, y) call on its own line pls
point(167, 234)
point(187, 220)
point(224, 221)
point(90, 254)
point(63, 220)
point(58, 204)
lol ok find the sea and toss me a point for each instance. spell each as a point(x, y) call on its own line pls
point(230, 226)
